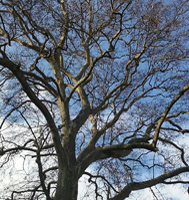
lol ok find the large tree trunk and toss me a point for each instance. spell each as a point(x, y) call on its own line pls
point(67, 185)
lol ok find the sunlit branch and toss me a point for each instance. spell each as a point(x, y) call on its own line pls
point(162, 119)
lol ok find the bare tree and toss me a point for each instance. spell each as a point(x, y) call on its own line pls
point(92, 84)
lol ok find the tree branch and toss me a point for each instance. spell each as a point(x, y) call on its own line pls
point(162, 119)
point(145, 184)
point(19, 75)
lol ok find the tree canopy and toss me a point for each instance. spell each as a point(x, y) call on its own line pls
point(93, 87)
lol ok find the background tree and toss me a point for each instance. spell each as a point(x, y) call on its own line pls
point(91, 84)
